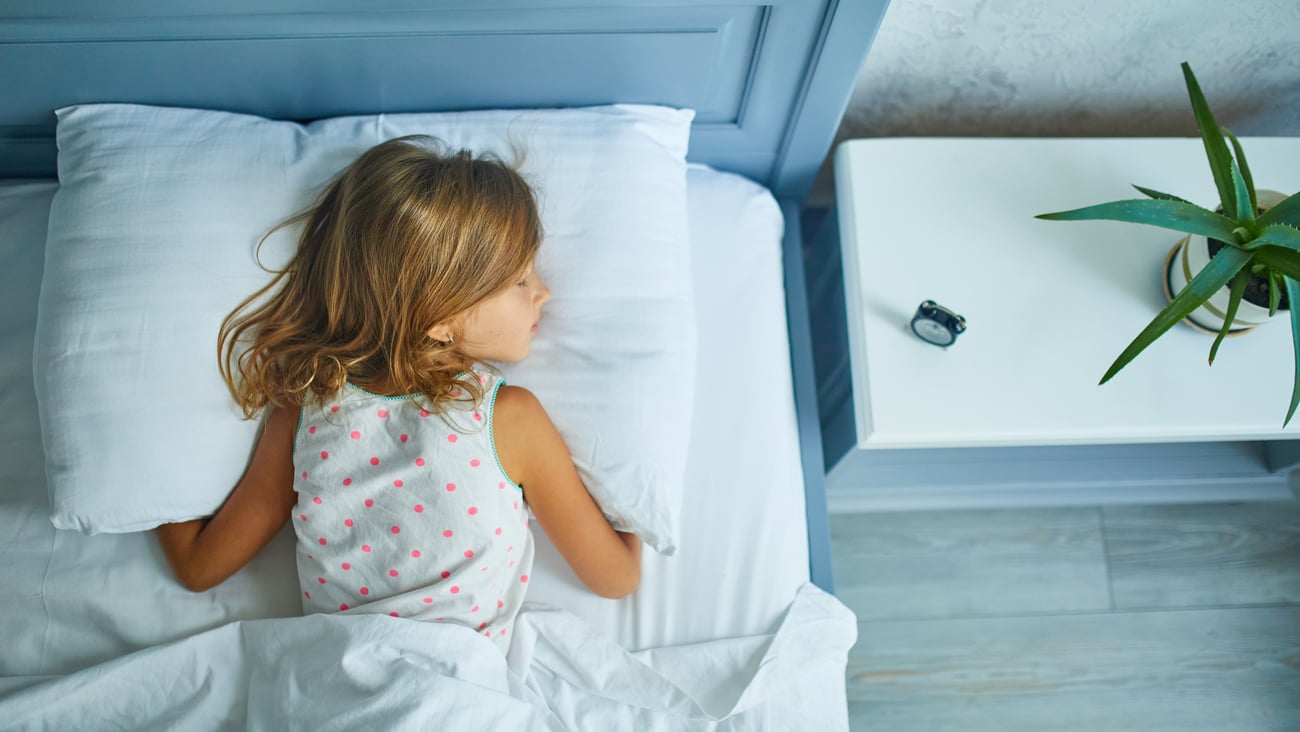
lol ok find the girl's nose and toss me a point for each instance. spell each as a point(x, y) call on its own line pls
point(544, 292)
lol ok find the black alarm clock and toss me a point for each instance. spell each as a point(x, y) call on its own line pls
point(934, 323)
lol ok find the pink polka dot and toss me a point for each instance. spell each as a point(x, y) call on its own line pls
point(419, 462)
point(348, 523)
point(365, 548)
point(501, 485)
point(374, 461)
point(302, 516)
point(365, 590)
point(324, 455)
point(445, 574)
point(370, 502)
point(343, 606)
point(498, 530)
point(447, 533)
point(503, 631)
point(483, 569)
point(404, 438)
point(346, 566)
point(469, 553)
point(347, 481)
point(419, 508)
point(510, 548)
point(334, 407)
point(451, 487)
point(516, 505)
point(474, 463)
point(311, 430)
point(316, 500)
point(456, 394)
point(320, 580)
point(500, 604)
point(428, 601)
point(304, 475)
point(322, 541)
point(392, 573)
point(474, 609)
point(382, 413)
point(393, 614)
point(452, 438)
point(397, 484)
point(397, 529)
point(481, 626)
point(307, 595)
point(424, 413)
point(415, 553)
point(478, 417)
point(523, 578)
point(455, 589)
point(356, 435)
point(473, 510)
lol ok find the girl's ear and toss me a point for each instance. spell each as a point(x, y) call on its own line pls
point(441, 332)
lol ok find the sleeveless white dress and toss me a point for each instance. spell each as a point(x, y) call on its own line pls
point(409, 513)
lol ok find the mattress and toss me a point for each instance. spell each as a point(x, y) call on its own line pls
point(71, 601)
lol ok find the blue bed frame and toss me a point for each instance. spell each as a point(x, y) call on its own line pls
point(769, 83)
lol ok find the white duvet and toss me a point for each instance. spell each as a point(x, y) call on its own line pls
point(374, 672)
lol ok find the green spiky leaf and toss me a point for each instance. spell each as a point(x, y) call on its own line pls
point(1274, 294)
point(1152, 193)
point(1168, 214)
point(1293, 293)
point(1225, 264)
point(1245, 207)
point(1277, 235)
point(1236, 289)
point(1245, 169)
point(1286, 212)
point(1216, 150)
point(1285, 262)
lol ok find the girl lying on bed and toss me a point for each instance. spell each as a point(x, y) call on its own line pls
point(402, 459)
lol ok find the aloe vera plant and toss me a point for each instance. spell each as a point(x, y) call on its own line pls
point(1265, 244)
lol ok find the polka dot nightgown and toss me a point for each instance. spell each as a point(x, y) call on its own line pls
point(409, 513)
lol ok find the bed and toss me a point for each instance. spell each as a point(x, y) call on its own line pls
point(91, 621)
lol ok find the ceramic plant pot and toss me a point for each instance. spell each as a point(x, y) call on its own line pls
point(1192, 253)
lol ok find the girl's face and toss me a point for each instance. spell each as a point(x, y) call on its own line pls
point(501, 327)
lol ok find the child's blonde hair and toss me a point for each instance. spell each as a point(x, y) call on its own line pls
point(405, 238)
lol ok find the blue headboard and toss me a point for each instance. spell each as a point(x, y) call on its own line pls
point(769, 81)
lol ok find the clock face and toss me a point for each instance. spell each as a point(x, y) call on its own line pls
point(932, 331)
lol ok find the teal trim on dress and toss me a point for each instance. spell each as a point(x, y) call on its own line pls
point(492, 436)
point(296, 430)
point(399, 397)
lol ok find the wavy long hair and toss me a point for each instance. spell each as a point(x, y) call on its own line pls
point(409, 236)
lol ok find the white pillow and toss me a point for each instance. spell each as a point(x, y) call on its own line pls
point(151, 242)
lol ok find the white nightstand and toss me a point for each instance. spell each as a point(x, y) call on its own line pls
point(1012, 413)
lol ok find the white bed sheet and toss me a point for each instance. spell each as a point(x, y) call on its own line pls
point(71, 601)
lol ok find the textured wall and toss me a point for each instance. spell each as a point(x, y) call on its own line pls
point(1049, 68)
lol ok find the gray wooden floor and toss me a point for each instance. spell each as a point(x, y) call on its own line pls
point(1101, 618)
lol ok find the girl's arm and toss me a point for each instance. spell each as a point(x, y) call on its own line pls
point(534, 454)
point(205, 552)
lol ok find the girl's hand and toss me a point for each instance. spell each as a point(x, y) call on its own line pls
point(533, 453)
point(205, 552)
